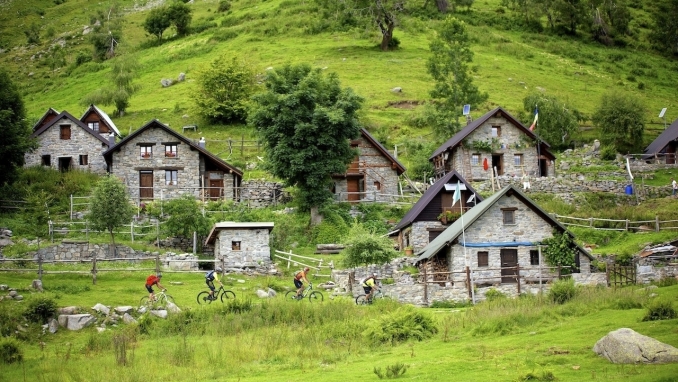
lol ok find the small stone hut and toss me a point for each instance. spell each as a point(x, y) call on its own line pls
point(241, 244)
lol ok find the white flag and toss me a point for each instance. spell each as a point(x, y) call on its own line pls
point(457, 195)
point(471, 199)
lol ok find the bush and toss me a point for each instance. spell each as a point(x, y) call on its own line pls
point(10, 351)
point(364, 247)
point(667, 281)
point(402, 325)
point(659, 309)
point(392, 371)
point(224, 6)
point(40, 310)
point(608, 153)
point(562, 291)
point(493, 294)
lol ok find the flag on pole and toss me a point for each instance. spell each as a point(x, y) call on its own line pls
point(536, 117)
point(457, 195)
point(472, 199)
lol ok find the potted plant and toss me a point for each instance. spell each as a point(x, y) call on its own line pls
point(448, 217)
point(409, 250)
point(146, 155)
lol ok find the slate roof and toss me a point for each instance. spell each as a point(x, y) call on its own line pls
point(399, 167)
point(155, 123)
point(103, 116)
point(454, 231)
point(232, 225)
point(432, 192)
point(468, 129)
point(668, 135)
point(50, 111)
point(67, 115)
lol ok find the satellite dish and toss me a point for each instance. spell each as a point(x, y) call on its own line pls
point(467, 109)
point(661, 113)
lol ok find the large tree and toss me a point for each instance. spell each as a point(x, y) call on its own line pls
point(109, 206)
point(157, 22)
point(557, 120)
point(306, 121)
point(620, 118)
point(106, 32)
point(15, 141)
point(448, 65)
point(123, 72)
point(224, 90)
point(664, 34)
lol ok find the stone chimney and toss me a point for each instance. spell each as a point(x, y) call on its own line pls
point(201, 143)
point(111, 140)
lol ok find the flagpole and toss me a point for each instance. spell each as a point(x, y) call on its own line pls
point(463, 238)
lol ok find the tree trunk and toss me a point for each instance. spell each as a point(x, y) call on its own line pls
point(387, 36)
point(111, 247)
point(442, 6)
point(316, 217)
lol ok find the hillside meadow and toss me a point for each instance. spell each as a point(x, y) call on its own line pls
point(529, 338)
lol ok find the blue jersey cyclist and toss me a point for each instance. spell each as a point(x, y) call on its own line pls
point(210, 278)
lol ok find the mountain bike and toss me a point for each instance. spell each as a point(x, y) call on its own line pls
point(219, 294)
point(161, 298)
point(362, 299)
point(313, 295)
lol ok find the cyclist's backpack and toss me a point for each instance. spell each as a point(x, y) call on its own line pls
point(363, 280)
point(209, 275)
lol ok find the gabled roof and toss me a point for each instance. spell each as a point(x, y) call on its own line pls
point(468, 129)
point(668, 135)
point(399, 167)
point(102, 115)
point(155, 123)
point(432, 192)
point(67, 115)
point(233, 225)
point(454, 231)
point(48, 113)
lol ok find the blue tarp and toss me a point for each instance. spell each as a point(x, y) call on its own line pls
point(501, 244)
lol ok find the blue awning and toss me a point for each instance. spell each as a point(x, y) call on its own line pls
point(500, 244)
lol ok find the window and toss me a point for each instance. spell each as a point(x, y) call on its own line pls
point(496, 131)
point(509, 215)
point(65, 131)
point(146, 152)
point(171, 177)
point(518, 159)
point(483, 259)
point(46, 160)
point(94, 126)
point(377, 186)
point(83, 160)
point(534, 257)
point(235, 245)
point(171, 151)
point(475, 159)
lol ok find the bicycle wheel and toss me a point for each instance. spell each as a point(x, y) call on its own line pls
point(166, 298)
point(144, 301)
point(361, 300)
point(315, 296)
point(204, 298)
point(227, 295)
point(291, 295)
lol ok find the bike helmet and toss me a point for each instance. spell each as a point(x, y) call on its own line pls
point(306, 269)
point(159, 275)
point(218, 269)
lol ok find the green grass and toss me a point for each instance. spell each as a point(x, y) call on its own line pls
point(504, 340)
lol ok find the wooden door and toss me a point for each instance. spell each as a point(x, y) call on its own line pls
point(216, 188)
point(543, 168)
point(509, 259)
point(353, 188)
point(145, 184)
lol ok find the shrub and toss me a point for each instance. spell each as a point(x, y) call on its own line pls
point(224, 6)
point(392, 371)
point(562, 291)
point(608, 152)
point(10, 351)
point(493, 294)
point(402, 325)
point(40, 310)
point(667, 281)
point(659, 309)
point(365, 247)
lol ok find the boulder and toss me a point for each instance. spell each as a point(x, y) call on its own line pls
point(172, 307)
point(182, 76)
point(262, 293)
point(52, 325)
point(128, 319)
point(627, 346)
point(123, 309)
point(101, 308)
point(12, 293)
point(68, 310)
point(37, 285)
point(397, 89)
point(166, 82)
point(159, 313)
point(271, 293)
point(76, 321)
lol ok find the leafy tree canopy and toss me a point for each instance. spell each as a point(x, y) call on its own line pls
point(364, 247)
point(185, 217)
point(621, 120)
point(225, 90)
point(157, 22)
point(560, 250)
point(16, 140)
point(306, 121)
point(557, 121)
point(109, 206)
point(123, 72)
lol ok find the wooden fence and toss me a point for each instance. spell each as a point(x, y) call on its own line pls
point(298, 260)
point(135, 229)
point(620, 275)
point(655, 225)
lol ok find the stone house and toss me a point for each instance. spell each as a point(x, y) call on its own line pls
point(423, 222)
point(495, 140)
point(156, 162)
point(66, 143)
point(664, 146)
point(501, 233)
point(373, 174)
point(99, 121)
point(46, 118)
point(241, 244)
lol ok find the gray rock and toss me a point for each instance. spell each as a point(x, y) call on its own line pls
point(627, 346)
point(166, 82)
point(272, 293)
point(142, 310)
point(68, 310)
point(76, 321)
point(101, 308)
point(182, 76)
point(12, 293)
point(397, 89)
point(172, 307)
point(18, 297)
point(262, 294)
point(128, 319)
point(100, 329)
point(123, 309)
point(159, 313)
point(3, 287)
point(53, 325)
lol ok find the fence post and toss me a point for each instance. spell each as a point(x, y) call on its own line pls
point(559, 272)
point(157, 263)
point(242, 145)
point(656, 223)
point(468, 281)
point(87, 230)
point(157, 232)
point(425, 287)
point(223, 262)
point(351, 280)
point(51, 230)
point(71, 215)
point(94, 270)
point(131, 230)
point(230, 146)
point(627, 225)
point(590, 222)
point(39, 266)
point(518, 277)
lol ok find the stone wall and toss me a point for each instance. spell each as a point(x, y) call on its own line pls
point(262, 193)
point(254, 251)
point(80, 143)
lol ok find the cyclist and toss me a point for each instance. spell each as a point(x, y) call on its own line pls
point(298, 277)
point(370, 286)
point(210, 277)
point(153, 280)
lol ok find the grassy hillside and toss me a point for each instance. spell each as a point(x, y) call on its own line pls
point(508, 64)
